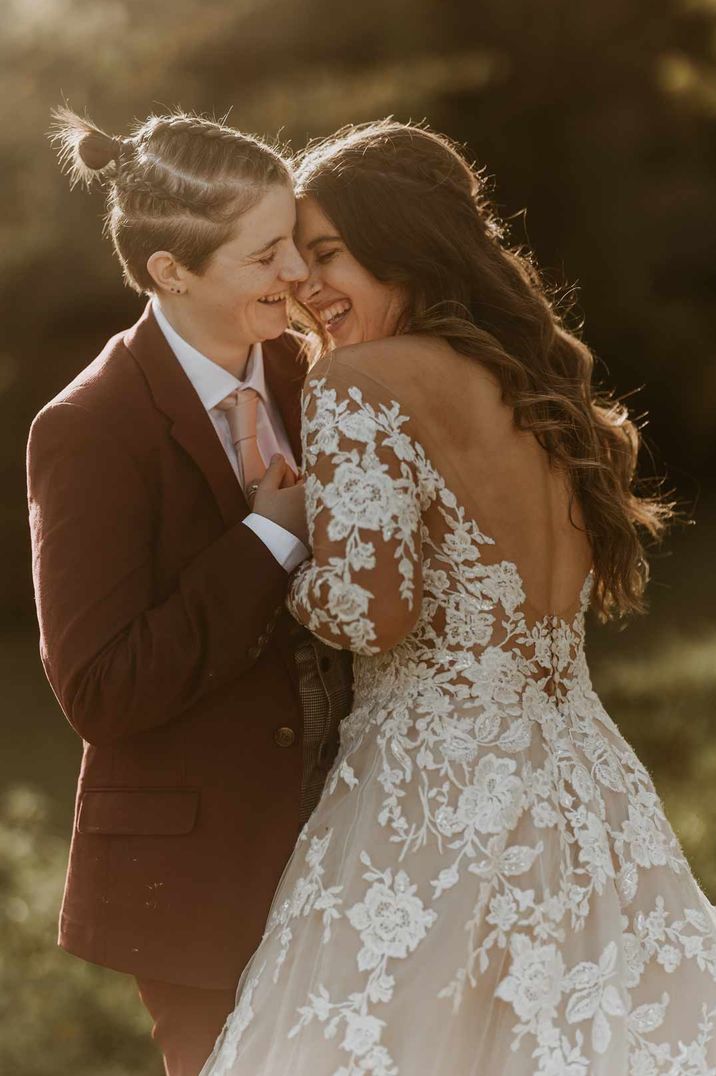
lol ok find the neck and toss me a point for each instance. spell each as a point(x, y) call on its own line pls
point(231, 355)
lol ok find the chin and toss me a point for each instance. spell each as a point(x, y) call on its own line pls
point(271, 331)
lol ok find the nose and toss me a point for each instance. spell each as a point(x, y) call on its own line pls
point(294, 267)
point(309, 286)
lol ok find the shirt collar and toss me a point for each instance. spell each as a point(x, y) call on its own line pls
point(211, 382)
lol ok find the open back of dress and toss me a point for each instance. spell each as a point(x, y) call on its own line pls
point(503, 482)
point(487, 548)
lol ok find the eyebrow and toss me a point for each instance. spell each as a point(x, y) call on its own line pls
point(323, 239)
point(271, 243)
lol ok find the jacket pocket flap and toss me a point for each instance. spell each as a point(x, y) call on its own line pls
point(138, 811)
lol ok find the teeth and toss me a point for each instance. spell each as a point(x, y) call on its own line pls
point(275, 298)
point(334, 310)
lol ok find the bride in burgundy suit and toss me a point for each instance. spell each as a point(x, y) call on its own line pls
point(163, 538)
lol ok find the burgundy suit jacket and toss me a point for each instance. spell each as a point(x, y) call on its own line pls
point(164, 637)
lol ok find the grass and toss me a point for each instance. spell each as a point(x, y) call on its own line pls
point(657, 679)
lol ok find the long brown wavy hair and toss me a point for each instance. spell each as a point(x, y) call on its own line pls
point(412, 211)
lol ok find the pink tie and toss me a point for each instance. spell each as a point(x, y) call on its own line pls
point(240, 408)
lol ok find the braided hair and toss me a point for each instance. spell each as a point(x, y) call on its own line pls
point(414, 212)
point(178, 182)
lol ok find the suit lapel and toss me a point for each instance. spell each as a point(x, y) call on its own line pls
point(285, 369)
point(191, 427)
point(174, 395)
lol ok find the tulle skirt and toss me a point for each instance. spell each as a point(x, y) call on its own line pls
point(481, 906)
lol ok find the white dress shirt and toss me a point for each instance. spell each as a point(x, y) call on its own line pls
point(212, 383)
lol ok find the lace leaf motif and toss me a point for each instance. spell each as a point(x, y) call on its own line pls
point(363, 502)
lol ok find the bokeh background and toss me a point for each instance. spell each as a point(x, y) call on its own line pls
point(598, 119)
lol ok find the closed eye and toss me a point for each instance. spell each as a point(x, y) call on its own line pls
point(269, 258)
point(326, 256)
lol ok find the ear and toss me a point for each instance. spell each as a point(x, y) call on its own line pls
point(167, 273)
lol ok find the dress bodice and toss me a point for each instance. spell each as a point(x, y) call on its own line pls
point(403, 574)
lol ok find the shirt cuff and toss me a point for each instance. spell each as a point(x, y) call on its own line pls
point(288, 550)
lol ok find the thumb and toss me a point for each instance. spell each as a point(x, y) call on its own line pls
point(274, 473)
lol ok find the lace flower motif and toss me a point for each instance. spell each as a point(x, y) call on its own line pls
point(391, 920)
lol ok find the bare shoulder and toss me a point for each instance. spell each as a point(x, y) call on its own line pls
point(420, 370)
point(390, 355)
point(453, 400)
point(394, 362)
point(439, 388)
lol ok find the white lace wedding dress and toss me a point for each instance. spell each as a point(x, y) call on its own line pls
point(489, 886)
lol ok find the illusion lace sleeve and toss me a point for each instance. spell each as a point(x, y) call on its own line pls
point(361, 589)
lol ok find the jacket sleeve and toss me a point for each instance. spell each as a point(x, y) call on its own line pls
point(119, 660)
point(362, 588)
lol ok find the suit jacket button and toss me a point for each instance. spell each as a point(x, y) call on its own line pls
point(284, 736)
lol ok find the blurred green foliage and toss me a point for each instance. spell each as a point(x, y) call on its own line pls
point(598, 118)
point(60, 1015)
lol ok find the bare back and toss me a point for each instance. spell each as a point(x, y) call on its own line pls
point(501, 476)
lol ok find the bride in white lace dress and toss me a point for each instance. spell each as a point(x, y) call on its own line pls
point(489, 884)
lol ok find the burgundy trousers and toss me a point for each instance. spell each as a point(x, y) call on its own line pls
point(187, 1022)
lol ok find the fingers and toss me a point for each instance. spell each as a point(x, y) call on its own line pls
point(290, 478)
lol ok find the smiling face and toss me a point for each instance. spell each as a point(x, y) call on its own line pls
point(239, 297)
point(243, 289)
point(352, 304)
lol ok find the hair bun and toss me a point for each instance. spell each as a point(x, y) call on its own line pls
point(97, 150)
point(83, 148)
